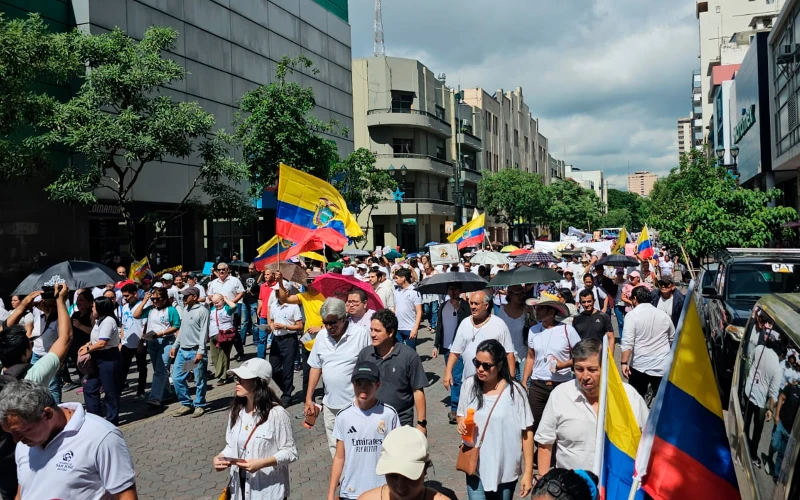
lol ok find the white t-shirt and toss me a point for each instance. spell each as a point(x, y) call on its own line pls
point(648, 332)
point(449, 324)
point(131, 327)
point(175, 296)
point(666, 305)
point(667, 266)
point(406, 301)
point(554, 342)
point(468, 337)
point(501, 450)
point(220, 319)
point(599, 297)
point(365, 321)
point(515, 329)
point(570, 421)
point(336, 360)
point(362, 433)
point(105, 330)
point(765, 369)
point(286, 314)
point(385, 291)
point(88, 460)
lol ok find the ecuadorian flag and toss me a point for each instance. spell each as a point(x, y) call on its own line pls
point(306, 203)
point(276, 250)
point(621, 438)
point(470, 234)
point(685, 451)
point(644, 247)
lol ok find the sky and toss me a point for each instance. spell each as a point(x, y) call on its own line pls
point(608, 79)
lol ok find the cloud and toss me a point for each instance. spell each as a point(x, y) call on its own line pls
point(607, 78)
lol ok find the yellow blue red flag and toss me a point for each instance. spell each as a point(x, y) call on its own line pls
point(644, 247)
point(470, 234)
point(139, 269)
point(619, 245)
point(270, 252)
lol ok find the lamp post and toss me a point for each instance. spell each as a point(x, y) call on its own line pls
point(733, 168)
point(398, 195)
point(458, 183)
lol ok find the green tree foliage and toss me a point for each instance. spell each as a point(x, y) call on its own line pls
point(619, 217)
point(631, 203)
point(700, 206)
point(512, 195)
point(122, 126)
point(30, 54)
point(572, 205)
point(276, 126)
point(361, 184)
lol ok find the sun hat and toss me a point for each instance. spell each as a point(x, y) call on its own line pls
point(253, 368)
point(405, 452)
point(561, 308)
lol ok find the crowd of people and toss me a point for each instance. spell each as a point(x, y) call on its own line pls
point(535, 346)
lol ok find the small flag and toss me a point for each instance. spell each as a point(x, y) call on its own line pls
point(139, 269)
point(470, 234)
point(619, 245)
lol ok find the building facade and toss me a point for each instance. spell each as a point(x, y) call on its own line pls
point(685, 142)
point(228, 48)
point(641, 182)
point(590, 179)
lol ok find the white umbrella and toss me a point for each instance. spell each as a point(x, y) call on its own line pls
point(489, 258)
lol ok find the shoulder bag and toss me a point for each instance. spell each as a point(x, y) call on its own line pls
point(223, 335)
point(468, 456)
point(226, 493)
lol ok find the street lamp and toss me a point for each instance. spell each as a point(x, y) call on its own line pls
point(733, 168)
point(457, 185)
point(398, 195)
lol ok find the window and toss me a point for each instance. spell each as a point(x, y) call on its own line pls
point(506, 129)
point(488, 122)
point(403, 146)
point(401, 101)
point(440, 150)
point(508, 163)
point(496, 163)
point(516, 138)
point(440, 112)
point(516, 165)
point(494, 124)
point(527, 145)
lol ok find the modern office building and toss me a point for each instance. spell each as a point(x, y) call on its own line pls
point(698, 135)
point(590, 179)
point(228, 48)
point(685, 142)
point(719, 137)
point(641, 182)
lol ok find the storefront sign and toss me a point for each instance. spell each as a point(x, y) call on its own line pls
point(409, 221)
point(748, 120)
point(103, 209)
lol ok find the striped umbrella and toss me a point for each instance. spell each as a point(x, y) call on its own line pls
point(519, 251)
point(535, 257)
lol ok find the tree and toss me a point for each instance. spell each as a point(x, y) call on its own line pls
point(275, 126)
point(631, 203)
point(619, 217)
point(572, 205)
point(361, 184)
point(30, 54)
point(512, 195)
point(122, 127)
point(700, 206)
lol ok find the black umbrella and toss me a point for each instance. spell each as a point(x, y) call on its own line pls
point(438, 283)
point(617, 260)
point(74, 273)
point(523, 274)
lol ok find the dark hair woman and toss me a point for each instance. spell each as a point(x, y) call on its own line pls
point(506, 435)
point(103, 346)
point(566, 484)
point(259, 440)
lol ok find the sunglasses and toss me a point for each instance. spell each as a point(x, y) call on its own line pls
point(331, 323)
point(485, 366)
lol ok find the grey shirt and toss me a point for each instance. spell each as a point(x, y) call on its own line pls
point(401, 375)
point(194, 329)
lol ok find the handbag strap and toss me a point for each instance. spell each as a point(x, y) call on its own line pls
point(486, 425)
point(566, 335)
point(244, 448)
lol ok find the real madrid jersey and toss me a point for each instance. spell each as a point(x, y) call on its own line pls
point(362, 433)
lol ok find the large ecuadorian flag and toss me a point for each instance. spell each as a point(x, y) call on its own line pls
point(306, 203)
point(470, 234)
point(684, 450)
point(644, 247)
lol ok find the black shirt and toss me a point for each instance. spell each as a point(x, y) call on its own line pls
point(251, 289)
point(790, 406)
point(592, 326)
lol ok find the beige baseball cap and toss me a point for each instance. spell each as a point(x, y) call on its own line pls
point(404, 452)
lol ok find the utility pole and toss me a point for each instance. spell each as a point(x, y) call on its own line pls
point(456, 183)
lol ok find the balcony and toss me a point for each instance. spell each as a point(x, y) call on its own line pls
point(416, 206)
point(469, 141)
point(416, 162)
point(401, 117)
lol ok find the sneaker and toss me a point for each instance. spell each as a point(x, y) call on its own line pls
point(451, 417)
point(138, 397)
point(71, 386)
point(155, 403)
point(297, 369)
point(239, 358)
point(222, 381)
point(198, 412)
point(185, 410)
point(765, 461)
point(286, 402)
point(757, 462)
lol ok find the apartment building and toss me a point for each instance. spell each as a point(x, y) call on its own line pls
point(684, 135)
point(641, 182)
point(590, 179)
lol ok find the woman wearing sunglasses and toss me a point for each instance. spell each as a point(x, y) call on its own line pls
point(503, 426)
point(566, 484)
point(259, 440)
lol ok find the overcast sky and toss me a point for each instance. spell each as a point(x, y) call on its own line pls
point(607, 78)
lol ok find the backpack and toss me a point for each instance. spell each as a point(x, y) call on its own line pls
point(8, 480)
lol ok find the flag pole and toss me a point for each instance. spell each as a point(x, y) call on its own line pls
point(597, 465)
point(634, 488)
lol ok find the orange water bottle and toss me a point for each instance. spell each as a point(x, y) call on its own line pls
point(469, 423)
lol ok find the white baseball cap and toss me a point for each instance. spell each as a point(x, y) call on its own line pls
point(362, 266)
point(404, 452)
point(158, 284)
point(348, 271)
point(167, 277)
point(253, 368)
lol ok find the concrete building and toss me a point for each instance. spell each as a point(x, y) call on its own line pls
point(724, 27)
point(685, 142)
point(641, 182)
point(228, 48)
point(719, 137)
point(590, 179)
point(698, 134)
point(557, 168)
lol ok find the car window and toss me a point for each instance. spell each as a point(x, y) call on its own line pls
point(708, 278)
point(768, 386)
point(719, 279)
point(754, 280)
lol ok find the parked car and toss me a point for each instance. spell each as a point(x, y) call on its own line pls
point(765, 449)
point(744, 275)
point(705, 279)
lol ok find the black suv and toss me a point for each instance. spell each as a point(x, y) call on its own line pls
point(744, 276)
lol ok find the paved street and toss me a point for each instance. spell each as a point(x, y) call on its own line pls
point(172, 456)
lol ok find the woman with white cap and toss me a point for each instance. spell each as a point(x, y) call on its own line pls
point(259, 440)
point(404, 461)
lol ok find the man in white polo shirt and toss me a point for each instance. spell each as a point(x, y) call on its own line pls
point(407, 307)
point(63, 452)
point(286, 322)
point(333, 357)
point(233, 290)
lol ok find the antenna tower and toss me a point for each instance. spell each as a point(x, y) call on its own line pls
point(378, 48)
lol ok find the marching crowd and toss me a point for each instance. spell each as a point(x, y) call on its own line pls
point(522, 364)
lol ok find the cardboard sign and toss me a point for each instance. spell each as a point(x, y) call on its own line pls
point(444, 254)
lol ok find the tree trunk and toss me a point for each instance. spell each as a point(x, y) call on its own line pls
point(130, 226)
point(366, 232)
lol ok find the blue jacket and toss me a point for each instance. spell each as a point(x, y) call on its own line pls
point(677, 304)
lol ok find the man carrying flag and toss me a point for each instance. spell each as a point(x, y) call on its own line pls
point(470, 234)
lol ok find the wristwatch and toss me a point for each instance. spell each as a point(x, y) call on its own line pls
point(624, 364)
point(422, 423)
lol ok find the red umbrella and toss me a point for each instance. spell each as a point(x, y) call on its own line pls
point(521, 251)
point(337, 285)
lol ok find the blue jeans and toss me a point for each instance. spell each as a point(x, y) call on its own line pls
point(159, 355)
point(778, 446)
point(182, 385)
point(109, 364)
point(619, 312)
point(55, 383)
point(431, 309)
point(458, 374)
point(247, 312)
point(263, 340)
point(505, 491)
point(403, 336)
